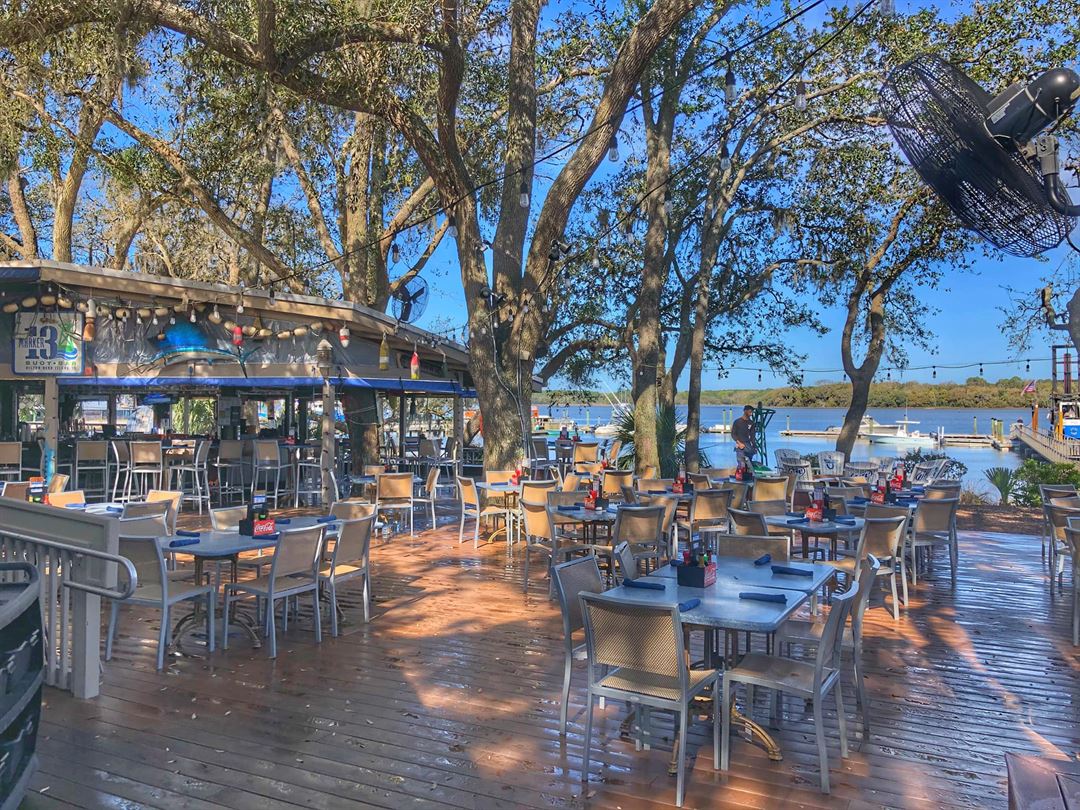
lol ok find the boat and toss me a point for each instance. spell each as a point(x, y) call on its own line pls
point(898, 435)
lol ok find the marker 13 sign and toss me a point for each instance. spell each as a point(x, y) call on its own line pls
point(48, 343)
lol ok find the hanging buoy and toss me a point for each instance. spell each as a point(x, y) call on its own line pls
point(414, 366)
point(384, 355)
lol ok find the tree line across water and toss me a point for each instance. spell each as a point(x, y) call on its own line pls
point(975, 392)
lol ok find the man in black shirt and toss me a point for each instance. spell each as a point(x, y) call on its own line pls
point(742, 433)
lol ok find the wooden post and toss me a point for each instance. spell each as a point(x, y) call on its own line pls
point(458, 452)
point(52, 428)
point(329, 445)
point(401, 432)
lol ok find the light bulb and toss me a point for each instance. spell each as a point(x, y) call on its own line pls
point(395, 253)
point(191, 317)
point(595, 262)
point(725, 158)
point(172, 320)
point(240, 307)
point(613, 148)
point(215, 315)
point(668, 205)
point(800, 96)
point(523, 196)
point(729, 86)
point(273, 296)
point(452, 227)
point(154, 321)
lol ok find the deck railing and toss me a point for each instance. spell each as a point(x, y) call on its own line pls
point(1050, 447)
point(76, 556)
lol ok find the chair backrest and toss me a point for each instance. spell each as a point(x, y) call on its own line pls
point(586, 451)
point(230, 450)
point(802, 470)
point(431, 483)
point(58, 483)
point(629, 496)
point(72, 496)
point(646, 639)
point(739, 491)
point(650, 471)
point(17, 490)
point(865, 576)
point(752, 546)
point(710, 505)
point(202, 453)
point(1048, 491)
point(881, 537)
point(638, 524)
point(170, 496)
point(90, 451)
point(540, 447)
point(296, 552)
point(655, 486)
point(719, 473)
point(148, 560)
point(883, 510)
point(394, 486)
point(537, 491)
point(614, 450)
point(844, 493)
point(146, 454)
point(936, 515)
point(498, 476)
point(266, 452)
point(1071, 501)
point(748, 523)
point(785, 455)
point(565, 497)
point(571, 482)
point(374, 469)
point(831, 462)
point(770, 489)
point(353, 542)
point(537, 520)
point(573, 578)
point(11, 454)
point(467, 493)
point(832, 635)
point(628, 567)
point(120, 451)
point(670, 503)
point(564, 451)
point(591, 468)
point(138, 510)
point(699, 481)
point(352, 509)
point(614, 481)
point(227, 518)
point(428, 448)
point(941, 491)
point(772, 507)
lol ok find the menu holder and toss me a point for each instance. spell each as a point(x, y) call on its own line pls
point(695, 576)
point(256, 527)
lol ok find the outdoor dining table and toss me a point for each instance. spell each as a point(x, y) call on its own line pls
point(829, 529)
point(744, 572)
point(720, 607)
point(590, 519)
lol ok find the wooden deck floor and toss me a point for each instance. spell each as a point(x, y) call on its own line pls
point(450, 698)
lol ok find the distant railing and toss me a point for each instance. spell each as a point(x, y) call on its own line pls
point(76, 556)
point(1051, 447)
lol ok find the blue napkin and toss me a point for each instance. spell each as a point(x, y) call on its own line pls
point(186, 533)
point(117, 509)
point(860, 499)
point(184, 541)
point(675, 563)
point(847, 521)
point(658, 492)
point(765, 559)
point(918, 489)
point(789, 571)
point(275, 536)
point(325, 519)
point(282, 521)
point(640, 583)
point(794, 514)
point(566, 508)
point(689, 604)
point(764, 597)
point(579, 504)
point(799, 520)
point(74, 505)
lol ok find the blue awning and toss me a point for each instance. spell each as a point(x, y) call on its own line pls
point(20, 273)
point(395, 385)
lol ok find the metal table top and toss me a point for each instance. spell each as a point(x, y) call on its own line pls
point(742, 572)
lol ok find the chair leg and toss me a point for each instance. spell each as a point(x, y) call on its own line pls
point(318, 616)
point(725, 727)
point(954, 557)
point(680, 778)
point(225, 619)
point(113, 615)
point(841, 720)
point(903, 578)
point(271, 627)
point(367, 597)
point(716, 730)
point(819, 734)
point(461, 528)
point(211, 597)
point(860, 691)
point(588, 739)
point(333, 608)
point(568, 666)
point(476, 533)
point(163, 637)
point(895, 599)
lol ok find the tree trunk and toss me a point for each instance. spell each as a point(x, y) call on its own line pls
point(860, 397)
point(697, 365)
point(21, 212)
point(362, 419)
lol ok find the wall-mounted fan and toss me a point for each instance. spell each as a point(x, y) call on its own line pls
point(989, 158)
point(410, 299)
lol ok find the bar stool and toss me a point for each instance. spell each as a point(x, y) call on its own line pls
point(92, 457)
point(11, 461)
point(121, 457)
point(199, 490)
point(266, 460)
point(27, 470)
point(308, 474)
point(146, 467)
point(229, 464)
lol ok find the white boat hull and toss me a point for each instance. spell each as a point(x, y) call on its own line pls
point(902, 441)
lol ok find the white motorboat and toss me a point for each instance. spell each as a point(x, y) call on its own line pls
point(899, 435)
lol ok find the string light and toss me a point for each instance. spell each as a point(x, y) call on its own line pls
point(273, 296)
point(668, 205)
point(729, 86)
point(595, 261)
point(395, 253)
point(191, 315)
point(452, 227)
point(934, 372)
point(1027, 367)
point(613, 148)
point(725, 158)
point(215, 315)
point(523, 195)
point(980, 369)
point(759, 375)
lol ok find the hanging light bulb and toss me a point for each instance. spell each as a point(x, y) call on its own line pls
point(154, 320)
point(215, 315)
point(191, 316)
point(172, 318)
point(888, 374)
point(729, 86)
point(523, 195)
point(138, 317)
point(980, 369)
point(725, 158)
point(759, 375)
point(343, 336)
point(395, 253)
point(613, 148)
point(384, 355)
point(933, 372)
point(1027, 366)
point(595, 261)
point(800, 95)
point(452, 228)
point(273, 296)
point(668, 205)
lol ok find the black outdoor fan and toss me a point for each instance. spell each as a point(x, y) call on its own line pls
point(410, 299)
point(987, 157)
